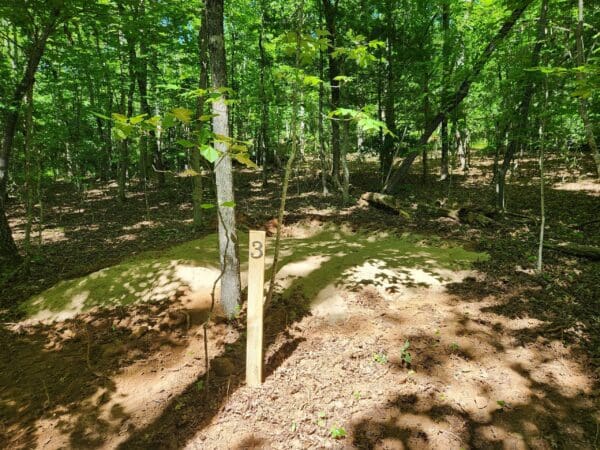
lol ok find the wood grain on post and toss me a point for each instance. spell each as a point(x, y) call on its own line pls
point(256, 281)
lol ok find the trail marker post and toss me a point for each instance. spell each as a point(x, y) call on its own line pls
point(256, 281)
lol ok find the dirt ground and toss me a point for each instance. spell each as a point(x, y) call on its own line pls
point(494, 356)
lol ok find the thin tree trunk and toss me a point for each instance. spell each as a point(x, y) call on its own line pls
point(387, 151)
point(28, 143)
point(265, 151)
point(290, 162)
point(458, 96)
point(542, 200)
point(330, 8)
point(8, 248)
point(445, 81)
point(426, 114)
point(195, 161)
point(228, 243)
point(320, 127)
point(583, 112)
point(519, 122)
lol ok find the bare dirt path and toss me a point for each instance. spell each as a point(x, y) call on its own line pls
point(471, 383)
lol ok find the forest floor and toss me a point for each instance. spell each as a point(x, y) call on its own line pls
point(390, 331)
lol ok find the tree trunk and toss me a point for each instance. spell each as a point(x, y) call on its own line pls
point(330, 7)
point(320, 127)
point(296, 93)
point(445, 81)
point(589, 131)
point(264, 147)
point(228, 243)
point(426, 114)
point(458, 96)
point(8, 248)
point(195, 161)
point(387, 151)
point(519, 122)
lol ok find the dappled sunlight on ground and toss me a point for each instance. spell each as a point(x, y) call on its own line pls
point(590, 186)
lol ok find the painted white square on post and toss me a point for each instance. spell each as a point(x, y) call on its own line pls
point(256, 281)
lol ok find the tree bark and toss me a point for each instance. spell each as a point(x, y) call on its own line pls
point(445, 81)
point(583, 112)
point(519, 122)
point(8, 248)
point(387, 151)
point(459, 95)
point(228, 243)
point(320, 127)
point(265, 155)
point(330, 7)
point(195, 161)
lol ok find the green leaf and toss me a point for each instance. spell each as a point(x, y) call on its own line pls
point(168, 121)
point(207, 206)
point(244, 159)
point(311, 80)
point(209, 153)
point(343, 78)
point(119, 117)
point(337, 432)
point(137, 119)
point(153, 121)
point(183, 114)
point(102, 116)
point(229, 204)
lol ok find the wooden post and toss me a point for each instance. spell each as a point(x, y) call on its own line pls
point(256, 281)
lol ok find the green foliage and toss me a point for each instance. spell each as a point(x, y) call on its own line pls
point(405, 355)
point(380, 358)
point(337, 432)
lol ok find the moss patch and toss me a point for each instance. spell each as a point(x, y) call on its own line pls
point(154, 275)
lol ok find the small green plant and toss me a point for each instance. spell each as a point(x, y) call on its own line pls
point(405, 355)
point(294, 427)
point(321, 418)
point(454, 347)
point(380, 358)
point(200, 385)
point(357, 395)
point(337, 432)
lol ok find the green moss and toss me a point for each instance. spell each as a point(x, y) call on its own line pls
point(139, 277)
point(348, 250)
point(132, 280)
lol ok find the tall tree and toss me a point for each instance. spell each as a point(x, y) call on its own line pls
point(458, 96)
point(34, 53)
point(200, 101)
point(520, 120)
point(445, 82)
point(583, 107)
point(330, 8)
point(228, 243)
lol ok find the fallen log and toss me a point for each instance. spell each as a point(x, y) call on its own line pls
point(583, 251)
point(385, 201)
point(469, 214)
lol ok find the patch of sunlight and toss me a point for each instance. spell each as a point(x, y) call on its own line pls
point(295, 270)
point(330, 303)
point(148, 276)
point(588, 186)
point(411, 260)
point(308, 264)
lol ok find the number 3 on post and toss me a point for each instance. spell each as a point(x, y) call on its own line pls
point(256, 283)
